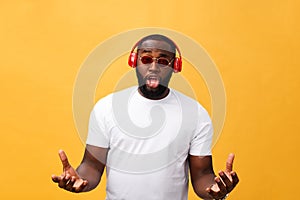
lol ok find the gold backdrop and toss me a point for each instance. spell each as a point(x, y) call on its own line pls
point(254, 44)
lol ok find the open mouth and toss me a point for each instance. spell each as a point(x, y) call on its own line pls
point(152, 81)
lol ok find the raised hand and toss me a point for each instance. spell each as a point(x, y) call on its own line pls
point(70, 179)
point(226, 181)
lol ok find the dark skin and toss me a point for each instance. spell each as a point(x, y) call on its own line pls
point(205, 183)
point(163, 74)
point(88, 174)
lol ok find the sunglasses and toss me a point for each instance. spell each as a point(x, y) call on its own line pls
point(162, 61)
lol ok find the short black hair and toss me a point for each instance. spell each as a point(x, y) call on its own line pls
point(159, 38)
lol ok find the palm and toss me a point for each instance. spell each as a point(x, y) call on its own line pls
point(70, 179)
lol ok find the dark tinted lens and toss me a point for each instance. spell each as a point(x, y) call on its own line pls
point(163, 61)
point(146, 59)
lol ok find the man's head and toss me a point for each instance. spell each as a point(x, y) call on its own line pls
point(155, 59)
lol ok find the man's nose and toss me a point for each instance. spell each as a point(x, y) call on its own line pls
point(154, 66)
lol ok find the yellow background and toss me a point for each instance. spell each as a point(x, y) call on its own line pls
point(255, 45)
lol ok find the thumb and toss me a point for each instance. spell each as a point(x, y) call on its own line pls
point(64, 160)
point(229, 163)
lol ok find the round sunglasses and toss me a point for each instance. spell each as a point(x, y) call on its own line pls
point(164, 62)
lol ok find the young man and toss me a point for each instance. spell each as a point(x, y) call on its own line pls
point(149, 137)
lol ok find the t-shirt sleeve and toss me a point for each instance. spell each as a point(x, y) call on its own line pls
point(97, 135)
point(202, 138)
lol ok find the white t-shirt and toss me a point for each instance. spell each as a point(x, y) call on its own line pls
point(149, 142)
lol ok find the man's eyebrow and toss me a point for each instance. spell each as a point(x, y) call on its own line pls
point(146, 50)
point(150, 50)
point(163, 55)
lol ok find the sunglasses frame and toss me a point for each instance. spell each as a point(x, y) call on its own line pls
point(156, 60)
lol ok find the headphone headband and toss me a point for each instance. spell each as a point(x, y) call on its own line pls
point(176, 47)
point(177, 67)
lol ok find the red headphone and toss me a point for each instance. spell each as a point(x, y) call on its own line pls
point(132, 60)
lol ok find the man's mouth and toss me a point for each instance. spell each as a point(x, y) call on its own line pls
point(152, 81)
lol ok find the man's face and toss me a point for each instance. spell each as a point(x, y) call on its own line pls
point(154, 64)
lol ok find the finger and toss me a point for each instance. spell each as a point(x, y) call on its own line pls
point(65, 178)
point(235, 178)
point(55, 178)
point(214, 194)
point(221, 186)
point(81, 187)
point(229, 163)
point(226, 180)
point(64, 159)
point(78, 183)
point(61, 182)
point(69, 185)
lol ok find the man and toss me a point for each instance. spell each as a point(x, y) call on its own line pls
point(149, 137)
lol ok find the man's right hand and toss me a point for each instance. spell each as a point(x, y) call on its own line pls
point(70, 179)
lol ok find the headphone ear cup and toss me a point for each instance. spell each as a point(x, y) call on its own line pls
point(177, 65)
point(132, 59)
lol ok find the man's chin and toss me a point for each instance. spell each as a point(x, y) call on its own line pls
point(152, 92)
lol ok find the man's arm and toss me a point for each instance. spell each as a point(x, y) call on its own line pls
point(92, 166)
point(208, 186)
point(88, 174)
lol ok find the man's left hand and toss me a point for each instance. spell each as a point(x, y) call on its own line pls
point(225, 182)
